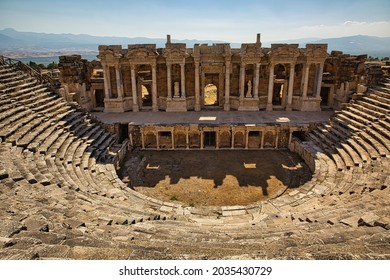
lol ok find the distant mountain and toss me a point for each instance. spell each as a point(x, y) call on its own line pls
point(63, 41)
point(26, 43)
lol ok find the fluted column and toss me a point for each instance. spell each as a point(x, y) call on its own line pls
point(197, 93)
point(154, 89)
point(306, 80)
point(290, 87)
point(107, 82)
point(242, 81)
point(319, 79)
point(134, 89)
point(183, 80)
point(169, 81)
point(119, 84)
point(256, 85)
point(226, 106)
point(270, 87)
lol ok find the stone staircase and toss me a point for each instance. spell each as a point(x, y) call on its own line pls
point(62, 199)
point(358, 134)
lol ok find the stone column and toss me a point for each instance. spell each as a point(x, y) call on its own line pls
point(289, 138)
point(233, 139)
point(270, 87)
point(187, 139)
point(119, 84)
point(217, 139)
point(107, 82)
point(142, 138)
point(242, 82)
point(197, 93)
point(134, 89)
point(276, 138)
point(183, 80)
point(157, 140)
point(262, 140)
point(169, 81)
point(226, 106)
point(201, 139)
point(172, 139)
point(246, 138)
point(305, 80)
point(154, 89)
point(256, 85)
point(319, 79)
point(290, 87)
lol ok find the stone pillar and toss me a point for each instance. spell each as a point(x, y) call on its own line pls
point(226, 106)
point(119, 83)
point(197, 93)
point(289, 138)
point(142, 138)
point(270, 87)
point(187, 139)
point(262, 140)
point(233, 139)
point(217, 139)
point(172, 139)
point(201, 139)
point(290, 87)
point(305, 80)
point(256, 85)
point(107, 82)
point(134, 89)
point(242, 82)
point(276, 138)
point(246, 138)
point(319, 79)
point(154, 89)
point(157, 140)
point(183, 80)
point(169, 81)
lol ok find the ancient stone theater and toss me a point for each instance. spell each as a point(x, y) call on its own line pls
point(196, 152)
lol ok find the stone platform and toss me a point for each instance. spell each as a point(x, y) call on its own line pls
point(214, 117)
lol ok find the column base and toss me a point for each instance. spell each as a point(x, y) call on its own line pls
point(135, 108)
point(288, 107)
point(197, 107)
point(226, 107)
point(154, 108)
point(269, 107)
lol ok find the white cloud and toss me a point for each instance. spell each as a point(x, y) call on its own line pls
point(347, 28)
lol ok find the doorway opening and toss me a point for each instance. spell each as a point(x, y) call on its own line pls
point(123, 132)
point(278, 94)
point(210, 95)
point(325, 96)
point(146, 96)
point(209, 139)
point(99, 98)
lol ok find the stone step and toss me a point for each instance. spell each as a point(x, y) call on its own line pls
point(378, 146)
point(381, 139)
point(368, 117)
point(362, 153)
point(37, 131)
point(367, 110)
point(372, 106)
point(371, 151)
point(377, 102)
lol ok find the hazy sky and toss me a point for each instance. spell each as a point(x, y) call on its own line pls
point(227, 20)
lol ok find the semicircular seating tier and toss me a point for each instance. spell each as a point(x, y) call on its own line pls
point(62, 199)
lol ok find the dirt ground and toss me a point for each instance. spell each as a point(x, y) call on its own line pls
point(213, 178)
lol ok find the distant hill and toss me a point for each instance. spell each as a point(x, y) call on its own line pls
point(26, 43)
